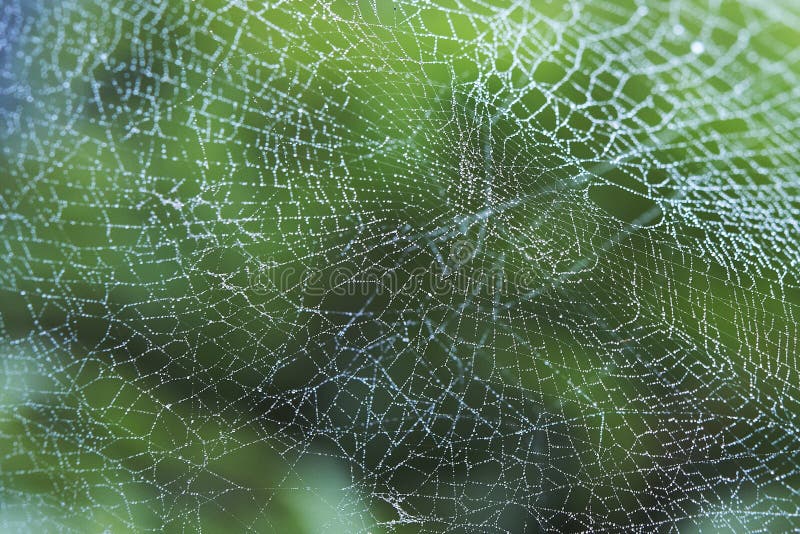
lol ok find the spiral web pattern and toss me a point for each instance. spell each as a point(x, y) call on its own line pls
point(457, 266)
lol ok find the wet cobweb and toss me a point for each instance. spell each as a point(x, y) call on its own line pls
point(369, 266)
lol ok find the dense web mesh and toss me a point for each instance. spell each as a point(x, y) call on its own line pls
point(370, 266)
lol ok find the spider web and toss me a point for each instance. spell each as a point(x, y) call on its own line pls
point(398, 266)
